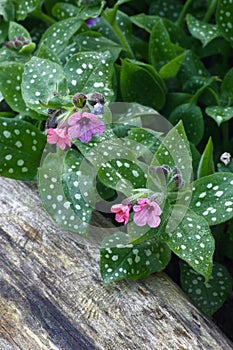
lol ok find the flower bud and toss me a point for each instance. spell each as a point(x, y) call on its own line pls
point(225, 158)
point(79, 100)
point(161, 171)
point(95, 98)
point(98, 108)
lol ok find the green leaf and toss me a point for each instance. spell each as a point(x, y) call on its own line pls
point(192, 66)
point(168, 9)
point(10, 85)
point(220, 114)
point(206, 164)
point(123, 174)
point(192, 117)
point(93, 41)
point(45, 52)
point(7, 10)
point(22, 8)
point(161, 49)
point(132, 78)
point(21, 146)
point(223, 18)
point(3, 31)
point(208, 296)
point(89, 72)
point(119, 259)
point(57, 36)
point(212, 197)
point(190, 238)
point(16, 29)
point(227, 89)
point(77, 182)
point(145, 21)
point(41, 78)
point(170, 69)
point(62, 10)
point(53, 197)
point(175, 151)
point(203, 31)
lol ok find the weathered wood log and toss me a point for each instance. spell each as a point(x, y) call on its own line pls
point(52, 295)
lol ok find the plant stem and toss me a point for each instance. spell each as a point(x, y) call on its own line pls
point(183, 13)
point(121, 37)
point(41, 15)
point(210, 10)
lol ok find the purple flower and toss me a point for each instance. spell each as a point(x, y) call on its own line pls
point(98, 108)
point(91, 21)
point(147, 212)
point(122, 212)
point(84, 126)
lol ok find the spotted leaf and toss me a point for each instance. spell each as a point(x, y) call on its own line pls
point(203, 31)
point(208, 296)
point(223, 18)
point(22, 8)
point(212, 197)
point(170, 69)
point(78, 184)
point(89, 72)
point(7, 10)
point(119, 259)
point(220, 114)
point(188, 235)
point(94, 41)
point(16, 29)
point(175, 151)
point(21, 146)
point(10, 85)
point(57, 36)
point(161, 49)
point(193, 121)
point(123, 174)
point(53, 197)
point(41, 78)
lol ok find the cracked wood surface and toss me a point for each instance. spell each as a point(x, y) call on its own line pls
point(52, 296)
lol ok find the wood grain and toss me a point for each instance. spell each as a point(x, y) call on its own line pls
point(52, 295)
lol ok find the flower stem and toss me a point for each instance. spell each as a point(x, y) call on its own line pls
point(183, 13)
point(210, 10)
point(41, 15)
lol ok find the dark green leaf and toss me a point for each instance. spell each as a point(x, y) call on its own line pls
point(22, 8)
point(223, 18)
point(132, 78)
point(16, 29)
point(208, 296)
point(206, 164)
point(21, 146)
point(212, 197)
point(170, 69)
point(203, 31)
point(227, 88)
point(119, 259)
point(188, 235)
point(220, 114)
point(192, 118)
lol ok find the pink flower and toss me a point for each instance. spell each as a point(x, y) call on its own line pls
point(59, 136)
point(147, 212)
point(84, 126)
point(122, 212)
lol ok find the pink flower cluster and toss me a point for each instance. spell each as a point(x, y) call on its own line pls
point(146, 212)
point(81, 125)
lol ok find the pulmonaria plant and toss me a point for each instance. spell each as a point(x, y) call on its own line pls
point(176, 194)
